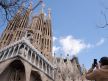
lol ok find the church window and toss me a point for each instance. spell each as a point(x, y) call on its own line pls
point(43, 30)
point(28, 35)
point(44, 23)
point(10, 38)
point(7, 36)
point(4, 36)
point(37, 36)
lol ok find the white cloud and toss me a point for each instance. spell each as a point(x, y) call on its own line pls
point(54, 38)
point(102, 40)
point(55, 49)
point(72, 45)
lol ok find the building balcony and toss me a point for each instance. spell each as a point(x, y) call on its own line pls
point(25, 50)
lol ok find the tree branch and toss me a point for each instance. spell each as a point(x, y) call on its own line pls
point(106, 22)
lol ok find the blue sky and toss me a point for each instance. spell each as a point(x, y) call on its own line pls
point(75, 21)
point(74, 29)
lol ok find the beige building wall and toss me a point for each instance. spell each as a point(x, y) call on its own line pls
point(68, 70)
point(39, 31)
point(15, 29)
point(42, 35)
point(19, 70)
point(39, 34)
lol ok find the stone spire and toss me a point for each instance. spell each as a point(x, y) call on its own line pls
point(67, 56)
point(49, 13)
point(83, 69)
point(42, 7)
point(30, 5)
point(21, 8)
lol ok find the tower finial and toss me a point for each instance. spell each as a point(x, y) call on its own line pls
point(83, 69)
point(49, 13)
point(30, 5)
point(67, 56)
point(21, 8)
point(43, 6)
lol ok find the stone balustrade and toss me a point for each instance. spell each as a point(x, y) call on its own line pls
point(25, 50)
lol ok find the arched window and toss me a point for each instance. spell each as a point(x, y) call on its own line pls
point(14, 72)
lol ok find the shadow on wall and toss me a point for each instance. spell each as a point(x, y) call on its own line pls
point(35, 76)
point(14, 72)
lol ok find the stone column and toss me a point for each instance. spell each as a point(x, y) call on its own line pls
point(46, 67)
point(38, 61)
point(3, 55)
point(42, 64)
point(18, 49)
point(27, 53)
point(13, 50)
point(35, 59)
point(8, 52)
point(27, 70)
point(31, 56)
point(53, 73)
point(23, 54)
point(49, 70)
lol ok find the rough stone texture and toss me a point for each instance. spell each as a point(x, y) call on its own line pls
point(68, 70)
point(15, 29)
point(39, 33)
point(26, 73)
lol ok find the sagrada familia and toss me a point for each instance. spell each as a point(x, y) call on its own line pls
point(26, 51)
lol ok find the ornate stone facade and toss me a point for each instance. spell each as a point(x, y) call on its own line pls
point(26, 51)
point(20, 61)
point(68, 70)
point(42, 34)
point(26, 48)
point(38, 31)
point(15, 29)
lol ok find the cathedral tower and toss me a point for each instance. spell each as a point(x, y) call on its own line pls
point(26, 48)
point(39, 31)
point(15, 28)
point(42, 34)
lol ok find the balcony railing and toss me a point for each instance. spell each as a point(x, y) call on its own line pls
point(25, 50)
